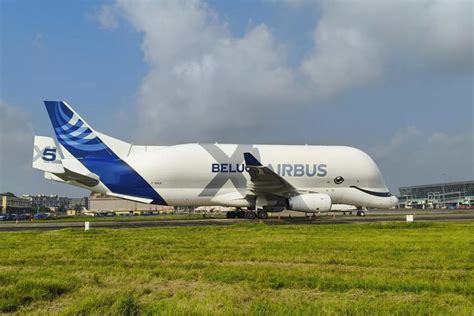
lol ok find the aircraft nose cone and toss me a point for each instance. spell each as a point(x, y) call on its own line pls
point(393, 201)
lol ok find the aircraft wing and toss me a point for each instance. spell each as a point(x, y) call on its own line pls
point(265, 181)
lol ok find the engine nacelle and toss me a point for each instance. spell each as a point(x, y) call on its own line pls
point(309, 202)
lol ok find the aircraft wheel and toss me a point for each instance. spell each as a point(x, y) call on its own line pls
point(230, 215)
point(360, 213)
point(262, 215)
point(251, 215)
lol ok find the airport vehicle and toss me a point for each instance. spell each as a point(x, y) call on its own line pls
point(344, 208)
point(257, 178)
point(11, 217)
point(42, 216)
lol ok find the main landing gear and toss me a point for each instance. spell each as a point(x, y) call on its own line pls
point(262, 214)
point(250, 214)
point(238, 213)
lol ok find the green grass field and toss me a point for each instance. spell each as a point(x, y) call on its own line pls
point(64, 218)
point(359, 269)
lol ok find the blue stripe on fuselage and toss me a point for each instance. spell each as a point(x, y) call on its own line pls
point(120, 178)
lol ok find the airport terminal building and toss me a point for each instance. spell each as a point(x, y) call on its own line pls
point(450, 195)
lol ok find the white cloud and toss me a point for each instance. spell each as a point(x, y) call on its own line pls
point(413, 157)
point(16, 141)
point(449, 151)
point(295, 3)
point(357, 41)
point(199, 72)
point(345, 58)
point(107, 17)
point(402, 138)
point(450, 35)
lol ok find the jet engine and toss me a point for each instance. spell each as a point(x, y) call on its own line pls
point(309, 202)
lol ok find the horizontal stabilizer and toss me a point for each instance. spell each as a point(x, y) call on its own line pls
point(53, 177)
point(131, 198)
point(89, 180)
point(46, 156)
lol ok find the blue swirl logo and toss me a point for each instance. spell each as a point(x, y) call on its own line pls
point(73, 132)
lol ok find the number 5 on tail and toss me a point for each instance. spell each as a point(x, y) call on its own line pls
point(49, 154)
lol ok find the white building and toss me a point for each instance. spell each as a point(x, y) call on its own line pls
point(12, 204)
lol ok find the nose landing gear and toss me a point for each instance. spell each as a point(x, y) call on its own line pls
point(360, 212)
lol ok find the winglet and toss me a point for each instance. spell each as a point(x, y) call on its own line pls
point(251, 161)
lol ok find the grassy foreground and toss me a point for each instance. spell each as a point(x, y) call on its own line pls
point(63, 219)
point(380, 268)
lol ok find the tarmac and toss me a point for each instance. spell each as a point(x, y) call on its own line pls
point(376, 216)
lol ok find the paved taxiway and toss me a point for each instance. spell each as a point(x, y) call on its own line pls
point(338, 219)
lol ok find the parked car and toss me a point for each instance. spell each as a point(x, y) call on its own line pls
point(11, 217)
point(23, 217)
point(41, 216)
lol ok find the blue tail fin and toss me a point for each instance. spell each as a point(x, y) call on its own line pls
point(74, 133)
point(78, 138)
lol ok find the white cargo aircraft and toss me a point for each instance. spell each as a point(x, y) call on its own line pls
point(255, 178)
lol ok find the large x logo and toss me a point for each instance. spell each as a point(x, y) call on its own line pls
point(37, 154)
point(237, 178)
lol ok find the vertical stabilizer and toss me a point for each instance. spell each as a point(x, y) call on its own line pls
point(74, 134)
point(102, 156)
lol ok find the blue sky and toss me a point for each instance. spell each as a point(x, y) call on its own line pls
point(394, 81)
point(56, 50)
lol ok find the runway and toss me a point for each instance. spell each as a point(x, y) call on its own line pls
point(338, 219)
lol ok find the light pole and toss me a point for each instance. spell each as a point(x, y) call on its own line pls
point(444, 194)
